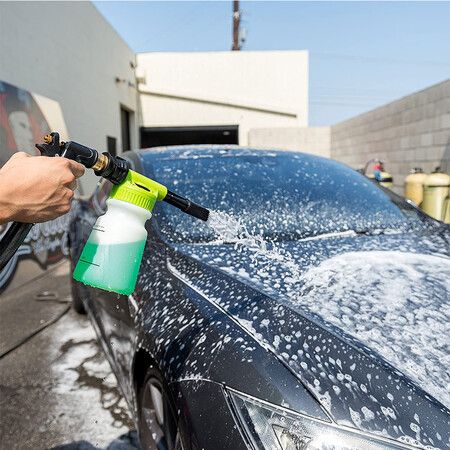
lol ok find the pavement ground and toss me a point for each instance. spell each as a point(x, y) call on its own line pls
point(57, 390)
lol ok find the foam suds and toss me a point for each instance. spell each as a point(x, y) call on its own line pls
point(226, 226)
point(359, 291)
point(232, 230)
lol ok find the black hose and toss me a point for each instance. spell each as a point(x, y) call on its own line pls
point(42, 327)
point(12, 240)
point(187, 206)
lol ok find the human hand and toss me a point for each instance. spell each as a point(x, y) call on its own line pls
point(37, 188)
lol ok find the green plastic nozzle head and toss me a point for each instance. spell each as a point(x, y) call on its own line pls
point(139, 190)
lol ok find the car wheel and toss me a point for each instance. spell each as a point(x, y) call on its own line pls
point(77, 292)
point(158, 427)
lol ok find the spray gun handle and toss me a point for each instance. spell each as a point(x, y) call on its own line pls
point(51, 145)
point(70, 150)
point(113, 168)
point(80, 153)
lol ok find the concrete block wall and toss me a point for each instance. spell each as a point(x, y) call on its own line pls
point(411, 132)
point(315, 140)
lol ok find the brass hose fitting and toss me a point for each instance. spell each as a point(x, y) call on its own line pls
point(101, 163)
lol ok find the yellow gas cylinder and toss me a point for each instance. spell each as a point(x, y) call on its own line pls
point(414, 185)
point(446, 218)
point(435, 191)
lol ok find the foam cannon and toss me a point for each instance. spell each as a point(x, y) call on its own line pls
point(111, 257)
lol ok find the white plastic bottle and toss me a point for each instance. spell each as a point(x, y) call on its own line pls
point(111, 257)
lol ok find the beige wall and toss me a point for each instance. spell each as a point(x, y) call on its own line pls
point(249, 89)
point(315, 140)
point(411, 132)
point(68, 52)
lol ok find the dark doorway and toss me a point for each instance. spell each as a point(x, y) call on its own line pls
point(125, 126)
point(162, 136)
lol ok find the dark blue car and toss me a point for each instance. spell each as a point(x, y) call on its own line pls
point(323, 322)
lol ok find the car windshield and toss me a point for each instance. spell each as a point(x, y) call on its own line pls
point(277, 195)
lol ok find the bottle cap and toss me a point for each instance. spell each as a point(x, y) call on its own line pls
point(139, 190)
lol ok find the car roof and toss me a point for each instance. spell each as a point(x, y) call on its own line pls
point(204, 150)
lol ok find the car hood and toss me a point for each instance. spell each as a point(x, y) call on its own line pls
point(362, 321)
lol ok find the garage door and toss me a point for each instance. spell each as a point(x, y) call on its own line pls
point(162, 136)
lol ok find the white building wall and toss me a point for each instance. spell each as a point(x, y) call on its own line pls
point(68, 52)
point(314, 140)
point(249, 89)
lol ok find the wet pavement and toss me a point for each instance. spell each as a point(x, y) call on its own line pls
point(57, 390)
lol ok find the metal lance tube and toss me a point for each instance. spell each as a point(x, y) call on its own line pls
point(187, 206)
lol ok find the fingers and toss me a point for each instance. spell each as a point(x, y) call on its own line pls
point(76, 168)
point(67, 204)
point(64, 204)
point(73, 185)
point(62, 164)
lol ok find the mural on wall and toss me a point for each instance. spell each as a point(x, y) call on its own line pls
point(22, 123)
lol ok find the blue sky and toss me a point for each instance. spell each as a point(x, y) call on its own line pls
point(362, 54)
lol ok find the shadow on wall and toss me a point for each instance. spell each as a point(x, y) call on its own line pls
point(128, 441)
point(445, 162)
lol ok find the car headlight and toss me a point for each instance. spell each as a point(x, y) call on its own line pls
point(269, 427)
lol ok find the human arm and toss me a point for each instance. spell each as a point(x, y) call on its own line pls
point(37, 188)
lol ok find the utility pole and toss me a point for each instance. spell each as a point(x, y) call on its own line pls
point(236, 24)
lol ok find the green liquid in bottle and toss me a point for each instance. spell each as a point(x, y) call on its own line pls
point(110, 267)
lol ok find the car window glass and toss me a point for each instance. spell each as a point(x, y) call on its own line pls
point(279, 196)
